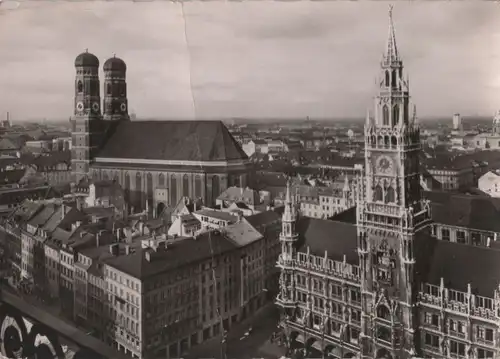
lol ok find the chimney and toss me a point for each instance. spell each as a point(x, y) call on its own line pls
point(63, 211)
point(117, 234)
point(127, 249)
point(240, 216)
point(98, 239)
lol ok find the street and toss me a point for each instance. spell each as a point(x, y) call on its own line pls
point(239, 345)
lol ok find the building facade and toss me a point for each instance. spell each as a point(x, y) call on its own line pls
point(384, 287)
point(197, 159)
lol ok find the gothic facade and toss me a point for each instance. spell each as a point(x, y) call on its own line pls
point(384, 287)
point(156, 162)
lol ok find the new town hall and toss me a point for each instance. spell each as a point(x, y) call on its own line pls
point(383, 287)
point(156, 162)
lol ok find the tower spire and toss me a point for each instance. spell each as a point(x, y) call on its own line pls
point(391, 51)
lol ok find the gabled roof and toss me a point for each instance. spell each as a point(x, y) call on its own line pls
point(246, 195)
point(172, 140)
point(462, 210)
point(337, 238)
point(242, 233)
point(458, 265)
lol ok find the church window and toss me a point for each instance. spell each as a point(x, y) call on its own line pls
point(138, 189)
point(385, 115)
point(185, 185)
point(394, 141)
point(80, 86)
point(378, 194)
point(173, 190)
point(215, 188)
point(197, 186)
point(390, 196)
point(384, 334)
point(149, 186)
point(161, 180)
point(108, 89)
point(387, 79)
point(395, 115)
point(394, 79)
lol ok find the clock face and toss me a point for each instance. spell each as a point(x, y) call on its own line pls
point(385, 165)
point(95, 106)
point(79, 106)
point(123, 107)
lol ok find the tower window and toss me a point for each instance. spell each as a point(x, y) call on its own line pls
point(394, 79)
point(387, 79)
point(390, 195)
point(378, 195)
point(108, 89)
point(395, 115)
point(80, 87)
point(385, 115)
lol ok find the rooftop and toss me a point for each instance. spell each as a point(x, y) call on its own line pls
point(173, 141)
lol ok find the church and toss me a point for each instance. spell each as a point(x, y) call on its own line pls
point(156, 162)
point(381, 285)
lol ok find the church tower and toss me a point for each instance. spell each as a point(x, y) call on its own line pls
point(115, 104)
point(391, 212)
point(87, 114)
point(288, 238)
point(496, 124)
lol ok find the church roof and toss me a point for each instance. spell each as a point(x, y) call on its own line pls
point(172, 140)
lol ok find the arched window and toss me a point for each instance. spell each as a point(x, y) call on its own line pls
point(378, 194)
point(197, 187)
point(138, 190)
point(385, 115)
point(394, 141)
point(173, 190)
point(390, 195)
point(80, 86)
point(108, 89)
point(149, 187)
point(394, 79)
point(161, 180)
point(215, 188)
point(395, 115)
point(185, 186)
point(387, 79)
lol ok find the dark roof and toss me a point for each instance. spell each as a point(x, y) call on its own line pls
point(11, 176)
point(86, 59)
point(337, 238)
point(115, 64)
point(177, 254)
point(458, 265)
point(52, 159)
point(464, 210)
point(173, 140)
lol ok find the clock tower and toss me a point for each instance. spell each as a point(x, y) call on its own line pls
point(390, 214)
point(86, 123)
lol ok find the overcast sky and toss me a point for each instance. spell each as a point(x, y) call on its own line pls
point(252, 58)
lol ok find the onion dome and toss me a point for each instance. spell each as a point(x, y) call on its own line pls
point(86, 59)
point(115, 64)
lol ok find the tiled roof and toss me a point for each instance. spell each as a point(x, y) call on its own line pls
point(242, 233)
point(458, 265)
point(337, 238)
point(176, 255)
point(462, 210)
point(224, 216)
point(245, 195)
point(172, 140)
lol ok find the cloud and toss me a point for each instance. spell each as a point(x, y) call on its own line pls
point(247, 59)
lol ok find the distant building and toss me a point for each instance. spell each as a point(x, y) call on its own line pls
point(457, 122)
point(490, 183)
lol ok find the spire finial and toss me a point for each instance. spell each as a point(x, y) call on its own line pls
point(391, 50)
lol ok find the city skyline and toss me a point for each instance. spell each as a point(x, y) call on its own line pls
point(251, 59)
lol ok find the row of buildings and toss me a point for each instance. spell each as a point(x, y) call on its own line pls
point(138, 288)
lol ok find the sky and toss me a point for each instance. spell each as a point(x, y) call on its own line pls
point(253, 59)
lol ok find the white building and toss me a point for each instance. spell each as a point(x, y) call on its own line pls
point(490, 183)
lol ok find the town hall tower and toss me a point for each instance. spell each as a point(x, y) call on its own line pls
point(389, 215)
